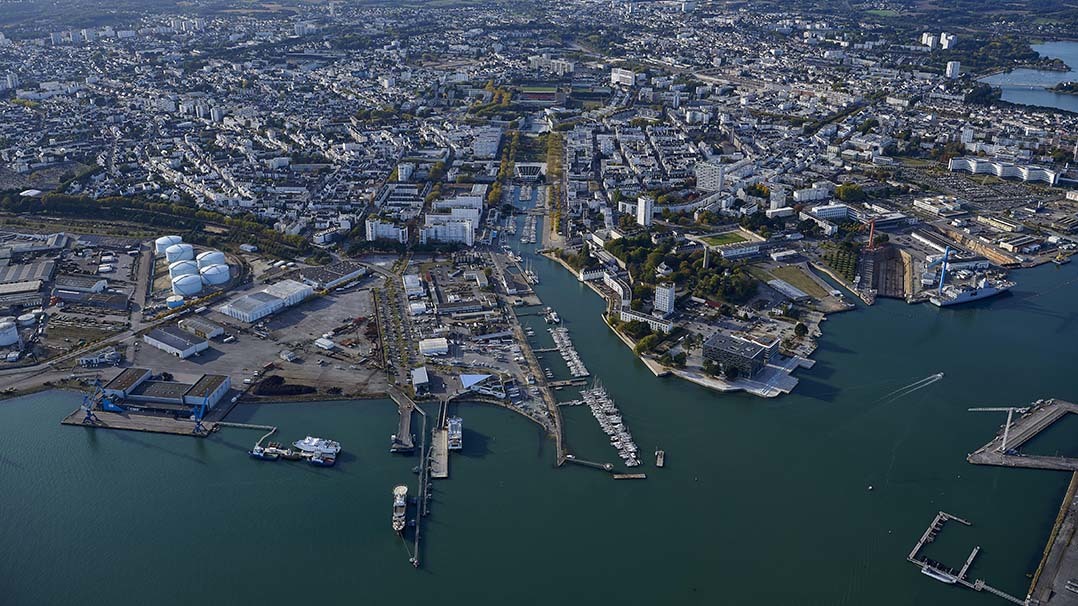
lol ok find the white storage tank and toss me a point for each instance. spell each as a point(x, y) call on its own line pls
point(182, 268)
point(211, 257)
point(174, 301)
point(161, 244)
point(215, 274)
point(179, 252)
point(187, 286)
point(27, 320)
point(9, 334)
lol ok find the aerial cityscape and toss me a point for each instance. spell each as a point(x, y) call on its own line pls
point(650, 302)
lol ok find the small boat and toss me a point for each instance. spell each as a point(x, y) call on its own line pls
point(290, 455)
point(1061, 259)
point(323, 460)
point(261, 453)
point(660, 457)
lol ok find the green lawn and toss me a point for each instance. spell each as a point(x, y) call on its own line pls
point(730, 237)
point(796, 277)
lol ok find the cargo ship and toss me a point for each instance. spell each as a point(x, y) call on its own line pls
point(982, 289)
point(400, 507)
point(455, 430)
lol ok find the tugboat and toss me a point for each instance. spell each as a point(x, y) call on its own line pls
point(400, 508)
point(261, 453)
point(1061, 259)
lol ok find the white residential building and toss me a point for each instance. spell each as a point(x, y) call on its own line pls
point(645, 206)
point(383, 230)
point(665, 295)
point(622, 77)
point(710, 176)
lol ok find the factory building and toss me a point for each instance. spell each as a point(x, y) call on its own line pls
point(438, 346)
point(257, 305)
point(201, 328)
point(173, 340)
point(332, 275)
point(136, 385)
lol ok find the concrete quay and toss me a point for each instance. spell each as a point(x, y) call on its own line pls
point(139, 422)
point(403, 440)
point(1038, 418)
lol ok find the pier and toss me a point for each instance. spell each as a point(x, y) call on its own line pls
point(422, 489)
point(403, 440)
point(1002, 450)
point(941, 572)
point(439, 457)
point(604, 466)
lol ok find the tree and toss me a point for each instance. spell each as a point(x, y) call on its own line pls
point(730, 372)
point(646, 344)
point(801, 330)
point(850, 192)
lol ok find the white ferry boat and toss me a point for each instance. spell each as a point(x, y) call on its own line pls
point(318, 446)
point(455, 433)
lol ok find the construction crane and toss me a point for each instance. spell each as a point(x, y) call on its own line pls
point(1010, 410)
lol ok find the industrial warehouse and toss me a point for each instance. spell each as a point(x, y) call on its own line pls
point(273, 298)
point(139, 388)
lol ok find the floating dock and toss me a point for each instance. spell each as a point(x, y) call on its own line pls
point(945, 574)
point(1002, 450)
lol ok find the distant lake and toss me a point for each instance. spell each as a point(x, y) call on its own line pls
point(1029, 86)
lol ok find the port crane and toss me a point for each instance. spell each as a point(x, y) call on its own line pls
point(98, 397)
point(1010, 410)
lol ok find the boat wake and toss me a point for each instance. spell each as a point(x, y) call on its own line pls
point(912, 387)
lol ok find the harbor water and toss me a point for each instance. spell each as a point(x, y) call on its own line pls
point(760, 501)
point(1029, 86)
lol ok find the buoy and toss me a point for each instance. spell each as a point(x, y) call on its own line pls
point(870, 487)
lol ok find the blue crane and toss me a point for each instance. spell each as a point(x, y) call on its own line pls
point(943, 268)
point(98, 397)
point(198, 413)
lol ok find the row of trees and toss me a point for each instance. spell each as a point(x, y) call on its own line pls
point(186, 219)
